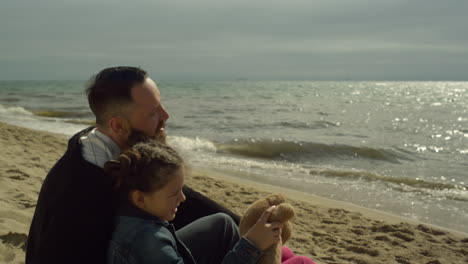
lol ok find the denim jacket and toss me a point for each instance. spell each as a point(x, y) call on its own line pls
point(141, 238)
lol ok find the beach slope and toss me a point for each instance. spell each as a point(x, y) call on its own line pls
point(327, 232)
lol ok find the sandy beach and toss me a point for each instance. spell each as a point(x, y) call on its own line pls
point(326, 231)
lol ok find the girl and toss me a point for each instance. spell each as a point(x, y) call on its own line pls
point(149, 179)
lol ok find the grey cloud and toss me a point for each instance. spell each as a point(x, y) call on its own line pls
point(228, 39)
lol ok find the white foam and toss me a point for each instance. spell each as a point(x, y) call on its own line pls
point(188, 144)
point(19, 116)
point(14, 111)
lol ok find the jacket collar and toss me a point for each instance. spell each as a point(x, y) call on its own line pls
point(74, 144)
point(98, 148)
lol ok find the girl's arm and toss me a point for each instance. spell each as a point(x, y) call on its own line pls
point(157, 247)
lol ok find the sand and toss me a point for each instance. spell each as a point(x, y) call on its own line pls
point(324, 230)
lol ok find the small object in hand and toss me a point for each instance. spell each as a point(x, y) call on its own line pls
point(283, 213)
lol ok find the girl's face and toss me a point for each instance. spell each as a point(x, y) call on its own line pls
point(163, 203)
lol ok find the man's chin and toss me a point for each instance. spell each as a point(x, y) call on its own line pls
point(161, 137)
point(137, 136)
point(170, 217)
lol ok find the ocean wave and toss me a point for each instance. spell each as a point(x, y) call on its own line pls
point(459, 193)
point(180, 126)
point(60, 114)
point(190, 144)
point(41, 96)
point(14, 110)
point(200, 147)
point(205, 151)
point(306, 125)
point(81, 122)
point(10, 100)
point(298, 151)
point(369, 176)
point(18, 110)
point(401, 184)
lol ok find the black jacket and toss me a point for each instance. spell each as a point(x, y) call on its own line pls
point(73, 218)
point(72, 221)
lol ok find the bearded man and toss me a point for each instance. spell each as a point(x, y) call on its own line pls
point(72, 222)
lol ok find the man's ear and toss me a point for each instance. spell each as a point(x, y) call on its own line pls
point(138, 199)
point(119, 126)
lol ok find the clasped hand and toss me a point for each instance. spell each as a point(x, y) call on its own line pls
point(264, 234)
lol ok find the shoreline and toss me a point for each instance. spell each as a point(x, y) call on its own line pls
point(328, 231)
point(319, 200)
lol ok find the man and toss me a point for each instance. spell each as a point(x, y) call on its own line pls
point(73, 218)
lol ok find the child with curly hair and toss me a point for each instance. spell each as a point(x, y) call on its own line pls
point(149, 179)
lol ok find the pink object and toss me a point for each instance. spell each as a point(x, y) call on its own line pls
point(286, 254)
point(288, 257)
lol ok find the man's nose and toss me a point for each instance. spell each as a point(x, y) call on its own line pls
point(183, 197)
point(164, 114)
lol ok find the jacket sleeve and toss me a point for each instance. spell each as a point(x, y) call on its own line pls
point(78, 232)
point(197, 206)
point(160, 248)
point(243, 252)
point(72, 222)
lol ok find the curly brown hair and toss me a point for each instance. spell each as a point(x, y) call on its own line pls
point(147, 167)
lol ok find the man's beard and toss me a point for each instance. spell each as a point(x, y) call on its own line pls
point(136, 136)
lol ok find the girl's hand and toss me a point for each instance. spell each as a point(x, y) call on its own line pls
point(264, 234)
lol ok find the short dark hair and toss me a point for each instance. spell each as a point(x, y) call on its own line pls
point(110, 90)
point(147, 167)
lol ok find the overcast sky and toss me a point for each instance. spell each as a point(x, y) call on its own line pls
point(230, 39)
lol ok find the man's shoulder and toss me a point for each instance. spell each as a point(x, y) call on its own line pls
point(73, 155)
point(71, 175)
point(74, 143)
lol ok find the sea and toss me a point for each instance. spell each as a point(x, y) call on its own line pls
point(398, 147)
